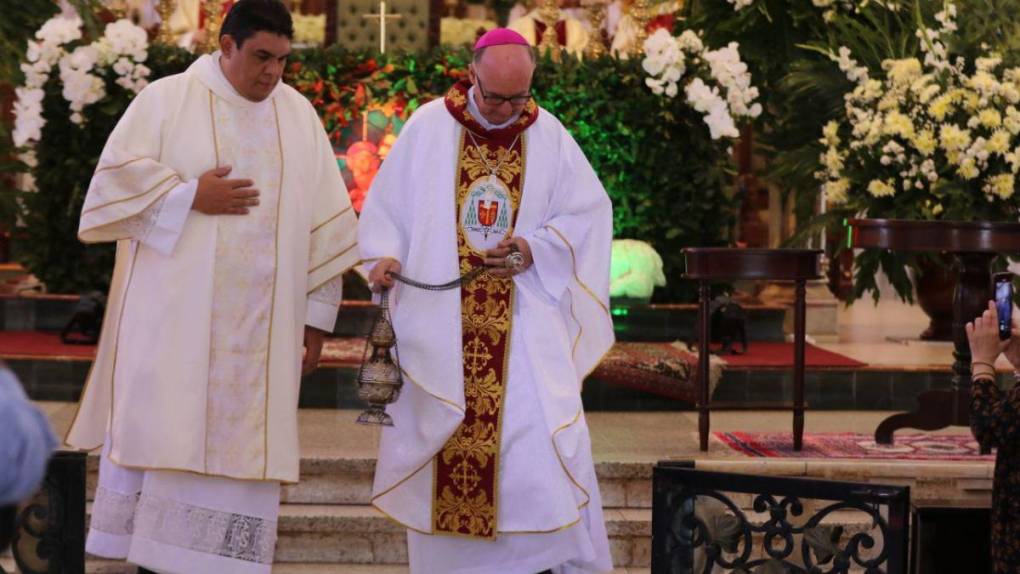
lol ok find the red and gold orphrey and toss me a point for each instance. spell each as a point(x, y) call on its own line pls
point(466, 479)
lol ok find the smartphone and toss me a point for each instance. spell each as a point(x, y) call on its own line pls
point(1004, 303)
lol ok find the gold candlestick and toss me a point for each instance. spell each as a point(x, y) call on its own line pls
point(213, 10)
point(550, 15)
point(641, 13)
point(597, 16)
point(166, 9)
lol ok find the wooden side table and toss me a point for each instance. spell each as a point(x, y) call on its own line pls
point(973, 245)
point(709, 264)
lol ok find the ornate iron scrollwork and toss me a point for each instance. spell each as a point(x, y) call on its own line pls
point(698, 528)
point(49, 536)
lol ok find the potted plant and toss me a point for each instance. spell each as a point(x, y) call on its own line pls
point(933, 137)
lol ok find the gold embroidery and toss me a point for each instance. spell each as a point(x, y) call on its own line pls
point(331, 219)
point(276, 265)
point(466, 470)
point(143, 194)
point(118, 166)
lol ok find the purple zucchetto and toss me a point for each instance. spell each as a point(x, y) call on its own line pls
point(500, 37)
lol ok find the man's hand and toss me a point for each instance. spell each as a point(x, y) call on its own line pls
point(379, 277)
point(217, 195)
point(314, 339)
point(495, 259)
point(983, 336)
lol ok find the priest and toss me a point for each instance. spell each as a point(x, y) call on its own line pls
point(233, 228)
point(488, 464)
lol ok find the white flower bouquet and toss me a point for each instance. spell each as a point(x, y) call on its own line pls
point(716, 83)
point(86, 71)
point(931, 139)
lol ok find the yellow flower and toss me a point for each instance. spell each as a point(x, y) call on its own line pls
point(902, 72)
point(831, 133)
point(937, 209)
point(899, 125)
point(1012, 121)
point(924, 142)
point(836, 191)
point(990, 118)
point(928, 92)
point(1001, 186)
point(879, 188)
point(968, 169)
point(953, 138)
point(999, 142)
point(940, 107)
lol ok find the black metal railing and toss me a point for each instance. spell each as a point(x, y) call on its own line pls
point(49, 529)
point(790, 527)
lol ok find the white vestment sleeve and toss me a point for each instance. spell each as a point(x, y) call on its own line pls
point(578, 201)
point(171, 213)
point(323, 305)
point(334, 235)
point(382, 226)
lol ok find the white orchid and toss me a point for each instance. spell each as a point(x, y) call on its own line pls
point(122, 47)
point(672, 61)
point(60, 30)
point(28, 120)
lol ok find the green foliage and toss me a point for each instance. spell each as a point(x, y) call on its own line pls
point(19, 22)
point(669, 182)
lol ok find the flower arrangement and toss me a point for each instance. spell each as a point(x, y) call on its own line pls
point(87, 72)
point(716, 83)
point(931, 139)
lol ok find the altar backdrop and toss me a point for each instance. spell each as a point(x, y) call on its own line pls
point(670, 183)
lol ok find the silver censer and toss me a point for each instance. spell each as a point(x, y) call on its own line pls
point(379, 379)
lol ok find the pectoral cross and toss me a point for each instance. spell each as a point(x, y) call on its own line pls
point(382, 16)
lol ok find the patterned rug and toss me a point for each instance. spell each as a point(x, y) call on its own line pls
point(856, 446)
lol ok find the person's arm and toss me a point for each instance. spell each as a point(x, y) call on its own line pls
point(994, 414)
point(26, 444)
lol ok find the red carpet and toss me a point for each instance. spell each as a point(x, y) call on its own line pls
point(780, 355)
point(856, 446)
point(660, 358)
point(41, 346)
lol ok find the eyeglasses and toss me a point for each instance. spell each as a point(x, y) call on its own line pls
point(496, 100)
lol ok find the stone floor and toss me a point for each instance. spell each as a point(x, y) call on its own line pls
point(618, 437)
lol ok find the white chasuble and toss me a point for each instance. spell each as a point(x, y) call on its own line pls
point(547, 511)
point(198, 366)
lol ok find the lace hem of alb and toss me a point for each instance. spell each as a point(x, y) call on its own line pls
point(114, 512)
point(329, 293)
point(140, 226)
point(226, 534)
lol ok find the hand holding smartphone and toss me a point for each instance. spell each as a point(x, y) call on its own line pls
point(1004, 303)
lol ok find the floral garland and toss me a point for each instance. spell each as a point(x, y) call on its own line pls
point(84, 70)
point(671, 60)
point(928, 140)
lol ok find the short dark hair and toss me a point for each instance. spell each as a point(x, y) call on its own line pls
point(246, 17)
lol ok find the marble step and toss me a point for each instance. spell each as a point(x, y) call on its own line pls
point(363, 535)
point(101, 566)
point(349, 481)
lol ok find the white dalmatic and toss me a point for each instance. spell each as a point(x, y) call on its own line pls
point(194, 390)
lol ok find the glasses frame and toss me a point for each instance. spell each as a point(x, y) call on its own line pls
point(497, 100)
